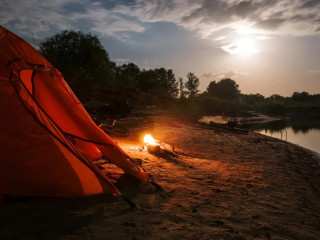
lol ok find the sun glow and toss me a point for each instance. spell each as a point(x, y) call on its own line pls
point(244, 46)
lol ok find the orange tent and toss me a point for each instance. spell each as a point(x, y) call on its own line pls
point(48, 141)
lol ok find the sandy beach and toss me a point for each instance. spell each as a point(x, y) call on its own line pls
point(219, 184)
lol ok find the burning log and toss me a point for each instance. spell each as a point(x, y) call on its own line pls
point(153, 146)
point(154, 149)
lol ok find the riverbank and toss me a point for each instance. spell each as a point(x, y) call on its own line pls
point(221, 184)
point(304, 132)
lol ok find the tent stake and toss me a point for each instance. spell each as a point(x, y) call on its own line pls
point(130, 203)
point(156, 185)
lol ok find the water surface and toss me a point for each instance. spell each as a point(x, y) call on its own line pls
point(303, 132)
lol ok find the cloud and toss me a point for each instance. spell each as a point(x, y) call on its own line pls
point(262, 37)
point(203, 17)
point(310, 4)
point(106, 22)
point(270, 24)
point(38, 17)
point(220, 75)
point(122, 60)
point(34, 15)
point(243, 46)
point(207, 75)
point(220, 38)
point(313, 71)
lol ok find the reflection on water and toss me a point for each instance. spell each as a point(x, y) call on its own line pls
point(297, 126)
point(309, 139)
point(304, 132)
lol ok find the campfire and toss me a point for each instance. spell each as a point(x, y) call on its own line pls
point(149, 140)
point(158, 148)
point(151, 144)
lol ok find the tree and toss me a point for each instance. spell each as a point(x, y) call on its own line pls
point(146, 81)
point(82, 60)
point(181, 87)
point(168, 85)
point(303, 96)
point(159, 82)
point(226, 89)
point(276, 98)
point(126, 76)
point(192, 84)
point(252, 99)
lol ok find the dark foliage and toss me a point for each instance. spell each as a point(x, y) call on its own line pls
point(82, 60)
point(159, 82)
point(252, 99)
point(126, 76)
point(226, 88)
point(192, 85)
point(300, 105)
point(217, 106)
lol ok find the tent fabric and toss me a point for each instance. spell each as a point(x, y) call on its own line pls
point(47, 139)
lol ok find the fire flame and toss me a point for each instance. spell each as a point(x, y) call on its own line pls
point(149, 140)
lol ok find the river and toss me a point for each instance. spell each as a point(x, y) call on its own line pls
point(303, 132)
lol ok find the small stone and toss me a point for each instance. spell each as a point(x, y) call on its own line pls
point(216, 223)
point(219, 190)
point(128, 224)
point(245, 192)
point(249, 185)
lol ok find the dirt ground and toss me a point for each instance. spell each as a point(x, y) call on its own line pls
point(220, 184)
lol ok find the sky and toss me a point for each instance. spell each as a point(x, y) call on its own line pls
point(266, 46)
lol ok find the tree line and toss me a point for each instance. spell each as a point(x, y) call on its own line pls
point(87, 68)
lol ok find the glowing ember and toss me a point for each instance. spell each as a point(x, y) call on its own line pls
point(149, 140)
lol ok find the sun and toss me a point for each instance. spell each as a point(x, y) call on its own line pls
point(245, 46)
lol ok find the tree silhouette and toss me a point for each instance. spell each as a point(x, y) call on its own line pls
point(276, 97)
point(126, 76)
point(192, 84)
point(168, 85)
point(303, 96)
point(226, 88)
point(252, 99)
point(181, 88)
point(159, 82)
point(82, 60)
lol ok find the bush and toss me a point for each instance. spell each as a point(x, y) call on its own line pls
point(217, 106)
point(187, 109)
point(274, 109)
